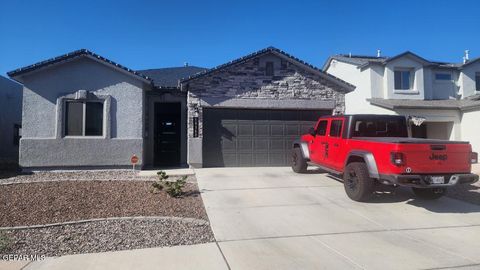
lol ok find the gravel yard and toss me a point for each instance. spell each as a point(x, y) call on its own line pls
point(52, 202)
point(103, 236)
point(55, 197)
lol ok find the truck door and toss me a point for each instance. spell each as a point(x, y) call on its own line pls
point(317, 145)
point(335, 145)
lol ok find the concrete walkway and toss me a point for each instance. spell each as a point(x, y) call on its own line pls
point(271, 218)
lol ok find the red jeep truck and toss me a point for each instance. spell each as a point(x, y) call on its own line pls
point(376, 149)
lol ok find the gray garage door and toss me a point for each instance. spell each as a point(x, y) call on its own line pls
point(241, 138)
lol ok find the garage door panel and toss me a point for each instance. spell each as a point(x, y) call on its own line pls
point(229, 160)
point(245, 145)
point(245, 129)
point(276, 158)
point(277, 144)
point(261, 144)
point(228, 129)
point(261, 159)
point(261, 129)
point(291, 129)
point(229, 144)
point(245, 159)
point(239, 137)
point(277, 130)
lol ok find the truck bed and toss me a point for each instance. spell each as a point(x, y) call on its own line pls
point(406, 140)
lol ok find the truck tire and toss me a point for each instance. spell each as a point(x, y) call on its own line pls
point(299, 164)
point(429, 193)
point(357, 182)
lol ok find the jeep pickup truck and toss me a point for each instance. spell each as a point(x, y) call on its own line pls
point(367, 150)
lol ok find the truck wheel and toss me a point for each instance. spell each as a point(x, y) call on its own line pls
point(357, 182)
point(429, 193)
point(299, 164)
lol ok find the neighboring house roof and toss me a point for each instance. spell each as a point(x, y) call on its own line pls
point(471, 61)
point(72, 55)
point(362, 61)
point(347, 86)
point(170, 77)
point(358, 60)
point(447, 104)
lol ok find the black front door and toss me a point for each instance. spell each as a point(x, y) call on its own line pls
point(167, 134)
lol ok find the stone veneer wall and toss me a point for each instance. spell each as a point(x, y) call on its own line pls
point(248, 81)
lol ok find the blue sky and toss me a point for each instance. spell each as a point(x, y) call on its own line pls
point(145, 34)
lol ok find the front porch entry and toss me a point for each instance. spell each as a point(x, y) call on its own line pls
point(167, 134)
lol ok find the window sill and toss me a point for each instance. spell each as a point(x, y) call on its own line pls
point(84, 137)
point(406, 92)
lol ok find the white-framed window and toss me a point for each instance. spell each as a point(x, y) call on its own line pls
point(83, 118)
point(477, 81)
point(442, 76)
point(403, 79)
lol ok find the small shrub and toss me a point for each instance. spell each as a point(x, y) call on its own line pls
point(4, 241)
point(173, 188)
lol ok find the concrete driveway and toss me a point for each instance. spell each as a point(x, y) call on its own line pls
point(272, 218)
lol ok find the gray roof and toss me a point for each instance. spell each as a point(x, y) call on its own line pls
point(345, 85)
point(71, 55)
point(448, 104)
point(169, 77)
point(363, 61)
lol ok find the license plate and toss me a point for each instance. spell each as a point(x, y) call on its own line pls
point(437, 179)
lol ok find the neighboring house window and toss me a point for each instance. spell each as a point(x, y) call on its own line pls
point(336, 128)
point(403, 79)
point(443, 76)
point(477, 81)
point(269, 68)
point(84, 118)
point(17, 134)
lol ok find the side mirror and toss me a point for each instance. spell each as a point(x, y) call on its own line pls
point(311, 131)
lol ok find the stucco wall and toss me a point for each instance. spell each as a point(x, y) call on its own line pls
point(442, 89)
point(418, 89)
point(11, 114)
point(234, 85)
point(40, 137)
point(356, 101)
point(467, 79)
point(471, 129)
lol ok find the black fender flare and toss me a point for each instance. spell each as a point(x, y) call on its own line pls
point(369, 161)
point(303, 147)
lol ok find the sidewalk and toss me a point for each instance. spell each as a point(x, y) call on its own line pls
point(203, 256)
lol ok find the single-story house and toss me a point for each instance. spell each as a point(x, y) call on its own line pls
point(10, 122)
point(83, 110)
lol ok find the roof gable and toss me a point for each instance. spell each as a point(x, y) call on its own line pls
point(271, 50)
point(410, 55)
point(77, 55)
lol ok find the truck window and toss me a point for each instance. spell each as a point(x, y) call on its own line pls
point(322, 128)
point(380, 128)
point(336, 128)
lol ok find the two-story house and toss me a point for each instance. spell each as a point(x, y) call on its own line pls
point(446, 95)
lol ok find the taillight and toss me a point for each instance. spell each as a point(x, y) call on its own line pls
point(398, 158)
point(473, 157)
